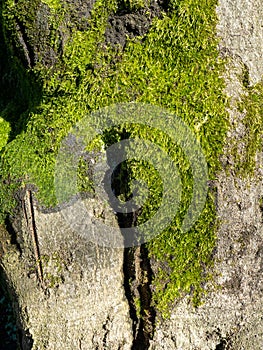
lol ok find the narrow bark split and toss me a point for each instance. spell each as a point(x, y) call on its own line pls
point(143, 276)
point(137, 272)
point(137, 284)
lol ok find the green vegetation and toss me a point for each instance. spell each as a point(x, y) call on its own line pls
point(138, 307)
point(53, 4)
point(175, 66)
point(133, 4)
point(252, 106)
point(55, 264)
point(4, 132)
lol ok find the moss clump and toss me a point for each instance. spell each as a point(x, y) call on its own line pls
point(175, 66)
point(53, 266)
point(4, 132)
point(252, 107)
point(133, 4)
point(53, 4)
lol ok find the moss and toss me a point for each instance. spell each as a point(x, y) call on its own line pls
point(53, 267)
point(19, 25)
point(252, 107)
point(137, 304)
point(175, 66)
point(133, 4)
point(53, 4)
point(4, 132)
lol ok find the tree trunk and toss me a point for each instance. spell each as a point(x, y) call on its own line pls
point(68, 290)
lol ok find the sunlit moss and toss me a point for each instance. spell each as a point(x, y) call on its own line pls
point(53, 4)
point(175, 66)
point(4, 132)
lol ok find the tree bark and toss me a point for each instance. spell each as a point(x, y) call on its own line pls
point(70, 293)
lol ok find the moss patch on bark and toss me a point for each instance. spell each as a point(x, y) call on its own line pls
point(174, 64)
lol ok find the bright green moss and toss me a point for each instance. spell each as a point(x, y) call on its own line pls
point(53, 4)
point(175, 66)
point(4, 132)
point(133, 4)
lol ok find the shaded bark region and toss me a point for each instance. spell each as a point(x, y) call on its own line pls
point(12, 333)
point(8, 334)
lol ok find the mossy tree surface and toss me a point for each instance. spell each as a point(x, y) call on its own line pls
point(252, 107)
point(175, 66)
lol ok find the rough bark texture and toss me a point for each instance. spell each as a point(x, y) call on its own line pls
point(80, 300)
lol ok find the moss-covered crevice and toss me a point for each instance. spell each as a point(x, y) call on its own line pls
point(173, 64)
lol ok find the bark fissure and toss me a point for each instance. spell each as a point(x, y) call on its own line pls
point(140, 286)
point(136, 269)
point(137, 284)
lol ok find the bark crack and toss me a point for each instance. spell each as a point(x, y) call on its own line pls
point(138, 279)
point(137, 272)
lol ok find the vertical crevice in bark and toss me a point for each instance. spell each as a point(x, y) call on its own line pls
point(137, 283)
point(147, 311)
point(129, 276)
point(136, 267)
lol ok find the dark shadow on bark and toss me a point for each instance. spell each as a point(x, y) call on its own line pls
point(12, 334)
point(20, 90)
point(8, 332)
